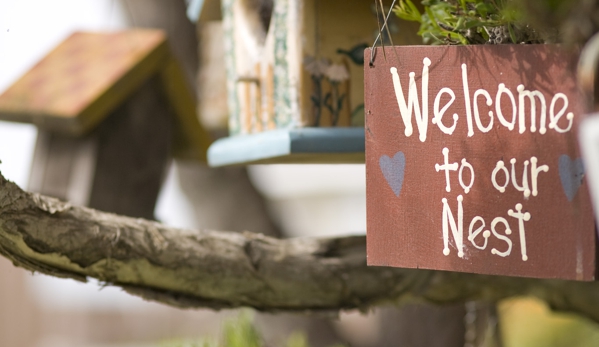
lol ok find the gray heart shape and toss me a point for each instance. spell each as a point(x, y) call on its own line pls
point(571, 173)
point(393, 170)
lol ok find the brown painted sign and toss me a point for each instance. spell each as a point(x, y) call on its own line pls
point(473, 164)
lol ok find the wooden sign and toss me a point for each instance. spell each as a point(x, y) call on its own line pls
point(473, 164)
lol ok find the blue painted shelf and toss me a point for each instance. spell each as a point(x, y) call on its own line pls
point(289, 146)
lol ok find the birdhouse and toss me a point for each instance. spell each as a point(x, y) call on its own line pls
point(295, 73)
point(111, 110)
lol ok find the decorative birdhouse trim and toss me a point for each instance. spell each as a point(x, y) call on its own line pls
point(230, 65)
point(304, 72)
point(282, 97)
point(300, 145)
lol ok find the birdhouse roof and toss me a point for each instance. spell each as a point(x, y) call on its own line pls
point(87, 76)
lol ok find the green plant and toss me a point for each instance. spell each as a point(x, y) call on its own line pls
point(240, 332)
point(188, 343)
point(462, 22)
point(297, 339)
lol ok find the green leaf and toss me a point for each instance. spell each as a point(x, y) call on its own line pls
point(458, 37)
point(512, 34)
point(460, 24)
point(413, 8)
point(408, 11)
point(472, 23)
point(433, 20)
point(484, 33)
point(483, 9)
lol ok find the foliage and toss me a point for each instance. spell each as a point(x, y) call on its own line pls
point(528, 322)
point(240, 332)
point(462, 22)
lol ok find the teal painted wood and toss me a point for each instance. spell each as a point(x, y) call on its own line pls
point(194, 7)
point(308, 145)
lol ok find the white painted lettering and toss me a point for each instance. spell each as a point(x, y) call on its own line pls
point(426, 62)
point(457, 230)
point(538, 110)
point(494, 223)
point(524, 187)
point(473, 234)
point(479, 124)
point(534, 174)
point(554, 118)
point(405, 109)
point(446, 167)
point(522, 217)
point(461, 173)
point(467, 100)
point(500, 166)
point(523, 93)
point(438, 114)
point(500, 91)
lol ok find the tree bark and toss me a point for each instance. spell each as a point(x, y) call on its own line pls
point(214, 269)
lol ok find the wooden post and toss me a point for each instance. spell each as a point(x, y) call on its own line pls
point(133, 152)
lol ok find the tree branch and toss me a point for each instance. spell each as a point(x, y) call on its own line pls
point(217, 269)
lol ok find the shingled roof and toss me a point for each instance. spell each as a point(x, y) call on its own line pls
point(87, 76)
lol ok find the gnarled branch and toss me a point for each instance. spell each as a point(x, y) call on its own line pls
point(218, 269)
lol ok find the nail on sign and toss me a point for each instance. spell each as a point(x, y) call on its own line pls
point(472, 162)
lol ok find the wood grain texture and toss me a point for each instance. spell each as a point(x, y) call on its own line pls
point(406, 182)
point(120, 166)
point(52, 164)
point(133, 152)
point(214, 269)
point(193, 139)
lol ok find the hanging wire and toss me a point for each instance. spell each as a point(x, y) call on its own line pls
point(384, 27)
point(378, 23)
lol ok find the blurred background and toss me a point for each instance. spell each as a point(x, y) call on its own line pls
point(40, 311)
point(278, 200)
